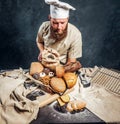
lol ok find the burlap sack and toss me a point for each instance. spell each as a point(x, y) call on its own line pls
point(15, 107)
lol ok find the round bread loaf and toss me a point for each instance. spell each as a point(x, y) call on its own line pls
point(58, 84)
point(35, 67)
point(70, 79)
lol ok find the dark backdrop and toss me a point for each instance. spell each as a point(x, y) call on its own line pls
point(98, 21)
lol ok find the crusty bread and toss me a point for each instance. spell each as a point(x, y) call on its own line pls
point(50, 65)
point(45, 80)
point(80, 104)
point(70, 79)
point(58, 84)
point(35, 67)
point(69, 107)
point(65, 98)
point(61, 103)
point(75, 105)
point(60, 71)
point(50, 58)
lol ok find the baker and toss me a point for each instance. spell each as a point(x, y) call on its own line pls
point(60, 35)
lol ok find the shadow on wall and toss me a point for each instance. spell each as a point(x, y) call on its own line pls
point(101, 39)
point(19, 23)
point(111, 48)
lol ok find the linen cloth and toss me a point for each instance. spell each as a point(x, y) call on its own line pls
point(15, 107)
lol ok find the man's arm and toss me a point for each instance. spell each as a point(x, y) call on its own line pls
point(75, 51)
point(40, 40)
point(69, 60)
point(72, 65)
point(40, 45)
point(41, 48)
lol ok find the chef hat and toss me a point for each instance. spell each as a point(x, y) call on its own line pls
point(59, 9)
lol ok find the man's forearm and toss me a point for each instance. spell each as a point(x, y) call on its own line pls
point(40, 46)
point(72, 66)
point(69, 60)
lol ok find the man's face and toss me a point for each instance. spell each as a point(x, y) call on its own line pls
point(59, 25)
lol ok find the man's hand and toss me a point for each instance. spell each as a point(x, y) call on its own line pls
point(72, 66)
point(50, 58)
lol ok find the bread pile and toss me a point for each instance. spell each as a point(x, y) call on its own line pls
point(58, 80)
point(51, 73)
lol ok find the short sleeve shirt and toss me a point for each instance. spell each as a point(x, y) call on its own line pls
point(68, 47)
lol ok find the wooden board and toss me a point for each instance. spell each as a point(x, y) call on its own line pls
point(49, 98)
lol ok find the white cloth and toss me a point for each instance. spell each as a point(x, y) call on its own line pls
point(59, 9)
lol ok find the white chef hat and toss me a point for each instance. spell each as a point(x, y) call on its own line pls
point(59, 9)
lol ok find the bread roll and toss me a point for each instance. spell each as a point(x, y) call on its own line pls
point(65, 98)
point(80, 104)
point(69, 107)
point(35, 67)
point(45, 80)
point(58, 84)
point(61, 103)
point(70, 79)
point(60, 71)
point(50, 65)
point(74, 106)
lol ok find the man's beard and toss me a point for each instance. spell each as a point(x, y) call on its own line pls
point(58, 36)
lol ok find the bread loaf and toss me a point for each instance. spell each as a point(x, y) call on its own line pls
point(69, 107)
point(35, 67)
point(60, 71)
point(75, 105)
point(80, 104)
point(50, 58)
point(70, 79)
point(61, 103)
point(58, 85)
point(65, 98)
point(45, 80)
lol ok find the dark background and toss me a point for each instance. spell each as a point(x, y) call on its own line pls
point(98, 21)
